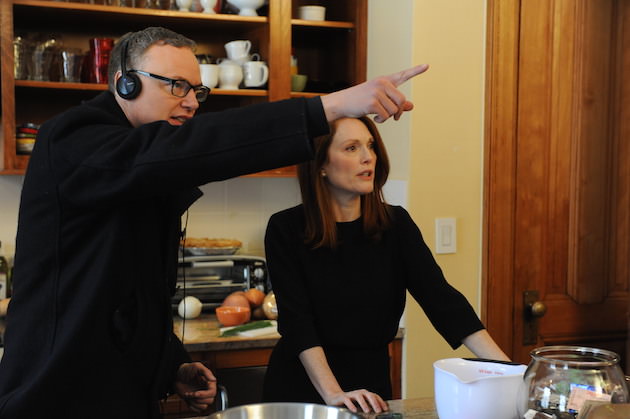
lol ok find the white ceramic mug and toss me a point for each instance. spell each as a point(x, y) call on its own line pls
point(209, 75)
point(184, 5)
point(312, 12)
point(237, 50)
point(255, 73)
point(246, 58)
point(230, 76)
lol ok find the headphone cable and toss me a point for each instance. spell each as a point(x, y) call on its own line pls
point(183, 247)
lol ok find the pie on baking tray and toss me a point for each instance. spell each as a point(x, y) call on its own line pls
point(210, 242)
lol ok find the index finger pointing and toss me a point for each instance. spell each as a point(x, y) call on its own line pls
point(402, 76)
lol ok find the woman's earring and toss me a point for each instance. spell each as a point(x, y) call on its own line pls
point(323, 173)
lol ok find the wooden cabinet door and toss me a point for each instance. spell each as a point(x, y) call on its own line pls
point(557, 216)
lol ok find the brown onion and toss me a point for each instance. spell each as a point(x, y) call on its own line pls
point(236, 299)
point(255, 297)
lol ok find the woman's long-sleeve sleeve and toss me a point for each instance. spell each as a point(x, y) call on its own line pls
point(295, 322)
point(448, 310)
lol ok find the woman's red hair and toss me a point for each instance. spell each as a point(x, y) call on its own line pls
point(321, 227)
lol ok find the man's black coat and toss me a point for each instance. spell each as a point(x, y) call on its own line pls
point(89, 329)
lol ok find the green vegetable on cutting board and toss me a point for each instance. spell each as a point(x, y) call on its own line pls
point(245, 327)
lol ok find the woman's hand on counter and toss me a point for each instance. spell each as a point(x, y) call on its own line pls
point(324, 381)
point(366, 400)
point(196, 385)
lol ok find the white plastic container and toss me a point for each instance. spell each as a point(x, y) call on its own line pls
point(477, 389)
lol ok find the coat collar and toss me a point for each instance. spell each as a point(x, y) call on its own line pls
point(106, 101)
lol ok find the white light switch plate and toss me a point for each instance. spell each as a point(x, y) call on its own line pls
point(445, 235)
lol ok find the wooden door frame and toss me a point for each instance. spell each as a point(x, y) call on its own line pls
point(502, 43)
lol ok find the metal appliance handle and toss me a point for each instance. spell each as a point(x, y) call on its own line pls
point(496, 361)
point(222, 398)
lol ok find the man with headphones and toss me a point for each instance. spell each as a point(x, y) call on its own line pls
point(90, 330)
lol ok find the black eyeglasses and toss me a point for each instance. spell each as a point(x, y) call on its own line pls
point(180, 87)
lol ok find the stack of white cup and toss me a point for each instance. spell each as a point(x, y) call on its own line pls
point(241, 66)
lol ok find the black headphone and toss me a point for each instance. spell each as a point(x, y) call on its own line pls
point(128, 86)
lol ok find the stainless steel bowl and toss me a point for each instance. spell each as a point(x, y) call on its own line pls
point(284, 411)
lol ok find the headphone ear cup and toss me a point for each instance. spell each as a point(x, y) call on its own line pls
point(128, 86)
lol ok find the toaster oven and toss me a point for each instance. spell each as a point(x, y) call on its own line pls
point(212, 278)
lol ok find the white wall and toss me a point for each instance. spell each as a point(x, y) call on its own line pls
point(390, 50)
point(446, 176)
point(437, 150)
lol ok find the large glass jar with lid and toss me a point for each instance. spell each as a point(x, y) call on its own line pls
point(560, 379)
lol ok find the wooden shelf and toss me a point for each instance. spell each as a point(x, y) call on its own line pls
point(239, 92)
point(103, 87)
point(103, 10)
point(59, 85)
point(323, 24)
point(306, 94)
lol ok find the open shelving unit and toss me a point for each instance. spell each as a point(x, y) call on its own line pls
point(332, 53)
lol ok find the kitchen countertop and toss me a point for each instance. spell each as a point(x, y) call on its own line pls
point(420, 408)
point(202, 334)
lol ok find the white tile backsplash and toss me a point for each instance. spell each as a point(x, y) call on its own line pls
point(279, 194)
point(244, 194)
point(240, 208)
point(213, 199)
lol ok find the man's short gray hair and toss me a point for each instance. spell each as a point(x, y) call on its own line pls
point(138, 43)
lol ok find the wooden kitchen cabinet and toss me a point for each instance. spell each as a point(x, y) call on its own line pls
point(331, 53)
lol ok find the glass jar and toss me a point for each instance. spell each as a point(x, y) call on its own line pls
point(559, 379)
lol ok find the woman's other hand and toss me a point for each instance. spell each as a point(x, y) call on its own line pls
point(366, 400)
point(196, 385)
